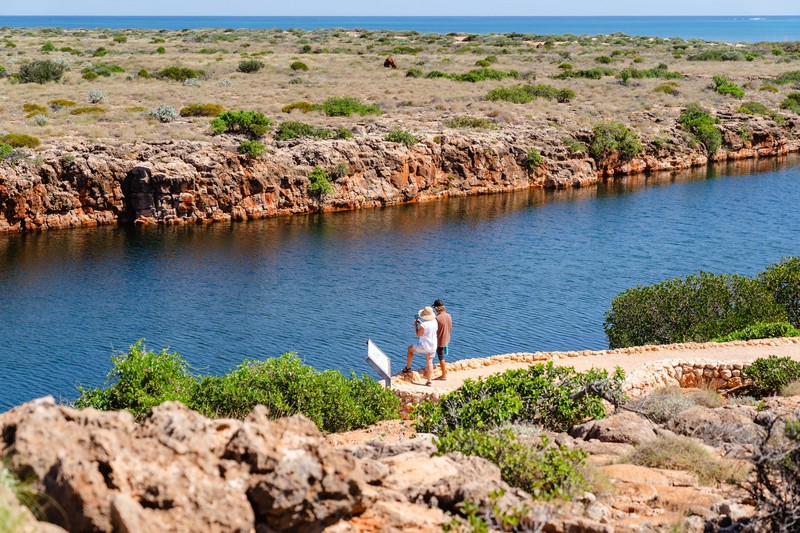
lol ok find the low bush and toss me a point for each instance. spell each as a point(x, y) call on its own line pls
point(533, 159)
point(41, 71)
point(754, 108)
point(181, 74)
point(771, 374)
point(662, 405)
point(251, 123)
point(96, 96)
point(553, 396)
point(725, 86)
point(303, 107)
point(34, 109)
point(699, 307)
point(609, 138)
point(248, 66)
point(702, 127)
point(673, 452)
point(574, 146)
point(543, 469)
point(768, 88)
point(346, 106)
point(590, 74)
point(141, 379)
point(48, 47)
point(788, 77)
point(782, 279)
point(251, 148)
point(161, 50)
point(6, 151)
point(475, 75)
point(295, 130)
point(60, 103)
point(164, 113)
point(464, 121)
point(792, 103)
point(661, 71)
point(202, 110)
point(101, 69)
point(319, 182)
point(791, 389)
point(717, 55)
point(298, 65)
point(515, 94)
point(19, 140)
point(398, 135)
point(670, 88)
point(414, 72)
point(87, 110)
point(761, 330)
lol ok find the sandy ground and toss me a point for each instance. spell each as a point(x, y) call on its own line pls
point(611, 359)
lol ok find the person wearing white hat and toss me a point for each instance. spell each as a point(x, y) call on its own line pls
point(426, 327)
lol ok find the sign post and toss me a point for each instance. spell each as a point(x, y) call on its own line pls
point(379, 362)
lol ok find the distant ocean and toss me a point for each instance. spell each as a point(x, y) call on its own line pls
point(739, 29)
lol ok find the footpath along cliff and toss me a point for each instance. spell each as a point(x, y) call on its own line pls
point(173, 182)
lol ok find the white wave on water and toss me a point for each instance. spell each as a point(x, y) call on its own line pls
point(757, 18)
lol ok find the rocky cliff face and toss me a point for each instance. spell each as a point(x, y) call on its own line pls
point(181, 181)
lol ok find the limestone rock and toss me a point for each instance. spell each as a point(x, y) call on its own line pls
point(624, 427)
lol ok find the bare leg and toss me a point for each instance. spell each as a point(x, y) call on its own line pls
point(409, 356)
point(429, 364)
point(444, 370)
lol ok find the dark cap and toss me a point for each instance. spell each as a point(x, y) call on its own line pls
point(438, 303)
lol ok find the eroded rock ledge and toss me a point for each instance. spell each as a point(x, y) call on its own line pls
point(175, 182)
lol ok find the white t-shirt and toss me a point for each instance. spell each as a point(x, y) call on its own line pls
point(428, 339)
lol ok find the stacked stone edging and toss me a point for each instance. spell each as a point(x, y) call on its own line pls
point(716, 374)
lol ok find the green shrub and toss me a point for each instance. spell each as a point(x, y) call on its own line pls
point(176, 73)
point(6, 151)
point(482, 63)
point(398, 135)
point(251, 123)
point(783, 281)
point(464, 121)
point(140, 380)
point(202, 110)
point(303, 107)
point(48, 47)
point(319, 184)
point(555, 397)
point(89, 75)
point(404, 50)
point(533, 159)
point(670, 88)
point(41, 71)
point(544, 470)
point(298, 65)
point(590, 74)
point(100, 52)
point(725, 86)
point(788, 77)
point(761, 330)
point(414, 73)
point(717, 55)
point(120, 39)
point(768, 88)
point(346, 106)
point(605, 60)
point(769, 375)
point(792, 103)
point(251, 148)
point(248, 66)
point(660, 71)
point(574, 146)
point(754, 108)
point(161, 50)
point(295, 130)
point(610, 138)
point(20, 140)
point(101, 69)
point(34, 109)
point(87, 110)
point(699, 307)
point(515, 94)
point(59, 103)
point(476, 75)
point(565, 95)
point(702, 126)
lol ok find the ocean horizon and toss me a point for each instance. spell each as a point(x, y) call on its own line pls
point(710, 28)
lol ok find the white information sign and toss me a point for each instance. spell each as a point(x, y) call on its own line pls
point(379, 362)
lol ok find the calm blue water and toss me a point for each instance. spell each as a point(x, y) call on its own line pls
point(519, 272)
point(744, 28)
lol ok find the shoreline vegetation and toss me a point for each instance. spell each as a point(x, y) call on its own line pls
point(146, 126)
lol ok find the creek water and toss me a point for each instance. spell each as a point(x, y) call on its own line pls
point(527, 271)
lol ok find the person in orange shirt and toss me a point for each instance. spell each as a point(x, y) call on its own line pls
point(444, 327)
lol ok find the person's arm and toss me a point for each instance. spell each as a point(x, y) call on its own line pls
point(419, 328)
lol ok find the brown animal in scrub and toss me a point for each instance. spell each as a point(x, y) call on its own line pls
point(390, 62)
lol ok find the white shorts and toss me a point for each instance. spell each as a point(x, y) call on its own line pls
point(419, 349)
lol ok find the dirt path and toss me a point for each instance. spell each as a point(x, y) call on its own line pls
point(628, 359)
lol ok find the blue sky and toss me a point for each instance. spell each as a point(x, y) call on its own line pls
point(401, 7)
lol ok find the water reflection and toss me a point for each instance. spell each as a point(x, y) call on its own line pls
point(523, 271)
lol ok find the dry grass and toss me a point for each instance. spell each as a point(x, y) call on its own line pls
point(791, 389)
point(682, 453)
point(350, 63)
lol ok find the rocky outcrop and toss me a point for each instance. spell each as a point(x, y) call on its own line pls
point(179, 471)
point(174, 182)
